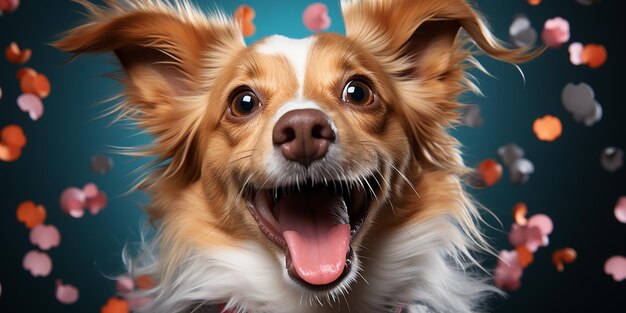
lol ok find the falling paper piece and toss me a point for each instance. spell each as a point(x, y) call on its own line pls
point(548, 128)
point(124, 285)
point(580, 101)
point(244, 15)
point(66, 294)
point(510, 153)
point(612, 158)
point(45, 236)
point(530, 237)
point(315, 17)
point(576, 53)
point(555, 32)
point(31, 104)
point(72, 202)
point(620, 209)
point(616, 267)
point(15, 55)
point(144, 282)
point(38, 263)
point(508, 271)
point(563, 256)
point(96, 203)
point(524, 256)
point(115, 305)
point(36, 84)
point(491, 171)
point(9, 5)
point(13, 135)
point(101, 164)
point(25, 71)
point(520, 170)
point(594, 55)
point(31, 214)
point(519, 213)
point(522, 34)
point(471, 116)
point(543, 222)
point(534, 2)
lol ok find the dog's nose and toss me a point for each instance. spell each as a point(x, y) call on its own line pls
point(303, 135)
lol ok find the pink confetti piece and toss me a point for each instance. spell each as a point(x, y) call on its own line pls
point(90, 190)
point(37, 263)
point(620, 209)
point(66, 294)
point(508, 271)
point(97, 203)
point(73, 201)
point(543, 222)
point(9, 5)
point(124, 285)
point(616, 267)
point(45, 237)
point(576, 53)
point(530, 237)
point(555, 32)
point(315, 17)
point(136, 303)
point(31, 104)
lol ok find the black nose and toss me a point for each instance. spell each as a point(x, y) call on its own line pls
point(303, 135)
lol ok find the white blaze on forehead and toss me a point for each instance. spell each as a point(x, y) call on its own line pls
point(295, 105)
point(295, 50)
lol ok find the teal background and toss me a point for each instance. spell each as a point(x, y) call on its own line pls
point(569, 184)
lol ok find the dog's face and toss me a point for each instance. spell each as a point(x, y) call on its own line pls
point(309, 147)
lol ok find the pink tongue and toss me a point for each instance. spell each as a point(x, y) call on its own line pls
point(317, 242)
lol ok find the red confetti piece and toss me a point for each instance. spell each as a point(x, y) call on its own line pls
point(66, 294)
point(244, 15)
point(315, 17)
point(25, 71)
point(555, 32)
point(144, 282)
point(548, 128)
point(563, 256)
point(31, 214)
point(524, 256)
point(9, 5)
point(491, 171)
point(115, 305)
point(45, 237)
point(616, 267)
point(13, 135)
point(15, 55)
point(594, 55)
point(37, 263)
point(37, 84)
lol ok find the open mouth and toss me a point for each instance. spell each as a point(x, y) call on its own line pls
point(314, 223)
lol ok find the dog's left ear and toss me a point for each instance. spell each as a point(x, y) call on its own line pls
point(419, 44)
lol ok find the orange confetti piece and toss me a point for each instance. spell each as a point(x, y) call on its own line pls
point(244, 16)
point(491, 171)
point(548, 128)
point(31, 214)
point(144, 282)
point(9, 153)
point(25, 71)
point(37, 84)
point(534, 2)
point(594, 55)
point(15, 55)
point(115, 305)
point(561, 256)
point(519, 213)
point(524, 256)
point(13, 135)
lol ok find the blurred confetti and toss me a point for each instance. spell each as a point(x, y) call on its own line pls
point(66, 294)
point(31, 214)
point(15, 55)
point(563, 256)
point(490, 170)
point(616, 267)
point(74, 200)
point(34, 83)
point(37, 263)
point(124, 285)
point(244, 15)
point(555, 32)
point(519, 213)
point(534, 2)
point(594, 55)
point(115, 305)
point(45, 236)
point(315, 17)
point(548, 128)
point(580, 101)
point(510, 153)
point(9, 5)
point(524, 256)
point(576, 53)
point(620, 209)
point(612, 158)
point(471, 116)
point(101, 164)
point(520, 171)
point(12, 140)
point(31, 104)
point(508, 271)
point(521, 32)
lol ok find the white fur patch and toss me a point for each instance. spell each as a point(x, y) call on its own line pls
point(295, 50)
point(295, 105)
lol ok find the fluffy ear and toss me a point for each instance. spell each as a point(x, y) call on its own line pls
point(170, 53)
point(421, 45)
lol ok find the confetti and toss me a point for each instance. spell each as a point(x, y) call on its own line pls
point(101, 164)
point(37, 263)
point(31, 104)
point(563, 256)
point(612, 158)
point(25, 71)
point(620, 209)
point(9, 5)
point(95, 200)
point(524, 256)
point(543, 222)
point(491, 171)
point(521, 32)
point(510, 153)
point(548, 128)
point(472, 117)
point(508, 271)
point(520, 170)
point(15, 55)
point(244, 15)
point(532, 235)
point(135, 303)
point(555, 32)
point(519, 213)
point(594, 55)
point(534, 2)
point(616, 267)
point(115, 305)
point(13, 135)
point(315, 17)
point(124, 285)
point(31, 214)
point(72, 202)
point(45, 236)
point(580, 101)
point(37, 84)
point(66, 294)
point(576, 53)
point(144, 282)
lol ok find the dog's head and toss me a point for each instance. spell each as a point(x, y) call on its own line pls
point(310, 147)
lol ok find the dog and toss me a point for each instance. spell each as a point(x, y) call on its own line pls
point(303, 175)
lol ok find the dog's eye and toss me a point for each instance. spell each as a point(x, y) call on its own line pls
point(357, 93)
point(244, 103)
